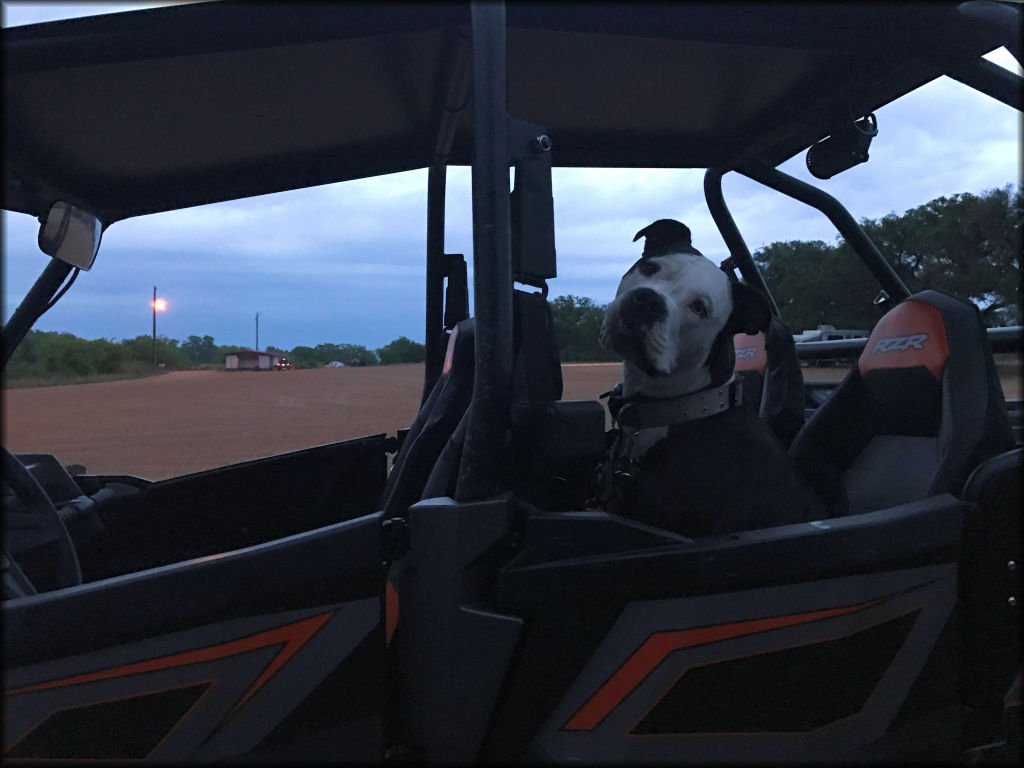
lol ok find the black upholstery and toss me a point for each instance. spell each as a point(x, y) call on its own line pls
point(549, 436)
point(555, 443)
point(537, 372)
point(437, 419)
point(773, 382)
point(990, 633)
point(537, 376)
point(921, 410)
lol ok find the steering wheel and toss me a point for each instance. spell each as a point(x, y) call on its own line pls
point(33, 521)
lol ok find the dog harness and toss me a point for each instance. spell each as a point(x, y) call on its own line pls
point(641, 423)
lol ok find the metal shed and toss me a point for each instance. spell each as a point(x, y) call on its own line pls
point(250, 360)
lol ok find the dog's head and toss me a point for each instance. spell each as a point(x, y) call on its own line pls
point(674, 316)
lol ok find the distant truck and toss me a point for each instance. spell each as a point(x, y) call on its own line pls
point(828, 333)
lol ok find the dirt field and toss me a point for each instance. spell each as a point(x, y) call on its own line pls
point(187, 421)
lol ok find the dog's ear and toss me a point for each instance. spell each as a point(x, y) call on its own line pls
point(750, 310)
point(664, 236)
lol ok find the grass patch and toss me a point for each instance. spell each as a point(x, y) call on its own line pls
point(131, 371)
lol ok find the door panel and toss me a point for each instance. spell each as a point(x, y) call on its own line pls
point(200, 659)
point(807, 671)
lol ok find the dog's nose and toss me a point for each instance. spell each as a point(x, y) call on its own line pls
point(647, 302)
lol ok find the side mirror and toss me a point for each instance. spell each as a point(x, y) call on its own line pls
point(71, 235)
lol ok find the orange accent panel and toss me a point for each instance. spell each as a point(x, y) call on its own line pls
point(658, 646)
point(292, 636)
point(390, 612)
point(910, 335)
point(750, 352)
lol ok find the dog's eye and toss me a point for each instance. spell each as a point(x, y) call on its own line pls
point(648, 268)
point(699, 308)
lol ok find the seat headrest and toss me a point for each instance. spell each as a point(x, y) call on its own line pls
point(910, 335)
point(537, 371)
point(750, 352)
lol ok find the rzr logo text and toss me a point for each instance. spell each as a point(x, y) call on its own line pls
point(745, 352)
point(901, 343)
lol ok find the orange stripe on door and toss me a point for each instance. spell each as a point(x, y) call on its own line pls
point(291, 636)
point(658, 646)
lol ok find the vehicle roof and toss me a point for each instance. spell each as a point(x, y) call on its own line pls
point(170, 107)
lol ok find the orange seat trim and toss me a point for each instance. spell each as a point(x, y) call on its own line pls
point(910, 335)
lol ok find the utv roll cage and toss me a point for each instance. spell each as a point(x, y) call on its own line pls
point(492, 627)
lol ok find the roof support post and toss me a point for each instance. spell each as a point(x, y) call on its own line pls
point(838, 215)
point(437, 262)
point(488, 412)
point(731, 234)
point(433, 338)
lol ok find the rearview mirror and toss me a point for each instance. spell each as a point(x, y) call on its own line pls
point(71, 235)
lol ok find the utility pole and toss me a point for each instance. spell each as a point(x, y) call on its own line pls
point(161, 305)
point(257, 331)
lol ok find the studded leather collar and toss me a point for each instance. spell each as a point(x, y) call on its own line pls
point(660, 412)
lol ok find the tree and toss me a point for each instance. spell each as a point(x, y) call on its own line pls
point(199, 350)
point(168, 353)
point(348, 354)
point(815, 283)
point(58, 356)
point(577, 321)
point(967, 245)
point(304, 357)
point(402, 350)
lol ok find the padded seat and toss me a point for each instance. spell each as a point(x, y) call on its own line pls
point(437, 419)
point(773, 382)
point(553, 443)
point(990, 630)
point(427, 465)
point(920, 411)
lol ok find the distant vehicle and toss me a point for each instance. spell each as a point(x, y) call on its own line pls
point(284, 364)
point(335, 364)
point(830, 333)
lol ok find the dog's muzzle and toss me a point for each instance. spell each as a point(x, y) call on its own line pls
point(641, 308)
point(637, 312)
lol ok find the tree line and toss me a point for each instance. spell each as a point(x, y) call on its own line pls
point(53, 357)
point(968, 245)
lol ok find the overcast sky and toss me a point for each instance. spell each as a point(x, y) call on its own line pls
point(317, 263)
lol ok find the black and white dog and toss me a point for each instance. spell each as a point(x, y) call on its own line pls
point(689, 456)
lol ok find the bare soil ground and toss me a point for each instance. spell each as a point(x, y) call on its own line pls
point(186, 421)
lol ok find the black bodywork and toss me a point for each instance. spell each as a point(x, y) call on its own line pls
point(468, 605)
